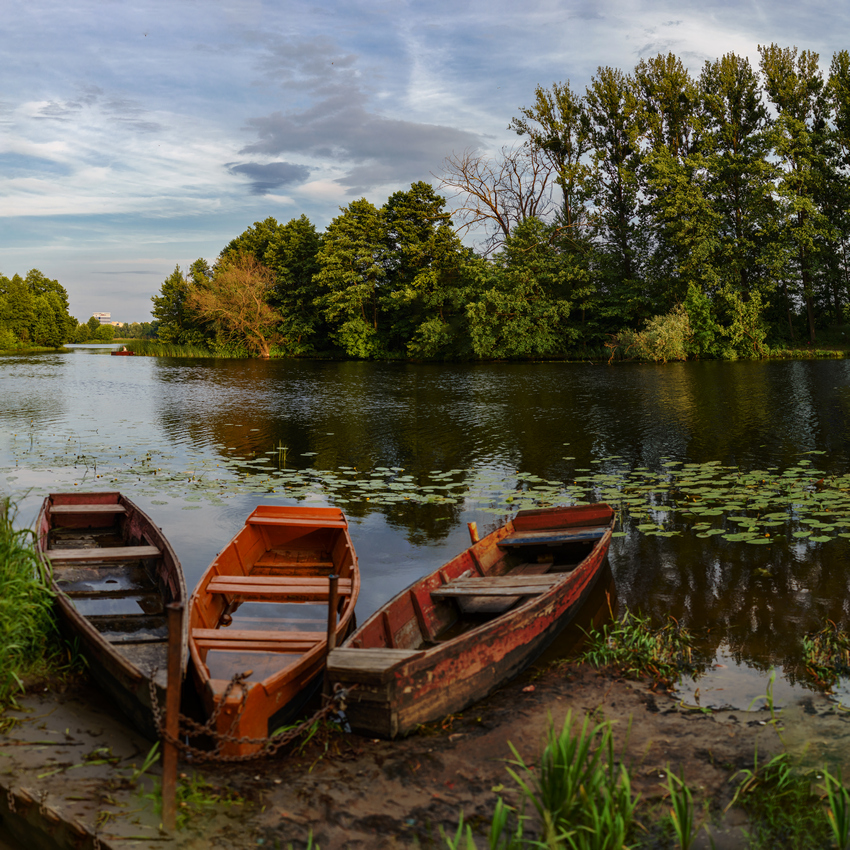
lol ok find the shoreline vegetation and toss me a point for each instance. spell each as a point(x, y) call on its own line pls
point(659, 215)
point(581, 791)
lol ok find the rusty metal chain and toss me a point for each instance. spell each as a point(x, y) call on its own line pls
point(268, 746)
point(10, 801)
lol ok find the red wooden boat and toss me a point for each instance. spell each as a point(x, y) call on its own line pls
point(113, 572)
point(454, 635)
point(263, 606)
point(124, 352)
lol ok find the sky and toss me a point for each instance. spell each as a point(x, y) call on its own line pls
point(138, 137)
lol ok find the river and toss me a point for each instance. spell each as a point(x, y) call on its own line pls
point(413, 452)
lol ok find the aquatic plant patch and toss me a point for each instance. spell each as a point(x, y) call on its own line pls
point(740, 507)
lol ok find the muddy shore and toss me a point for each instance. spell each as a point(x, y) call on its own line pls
point(74, 760)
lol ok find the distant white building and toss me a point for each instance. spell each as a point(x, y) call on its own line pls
point(103, 318)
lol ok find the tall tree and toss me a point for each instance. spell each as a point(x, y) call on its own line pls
point(176, 320)
point(352, 269)
point(616, 124)
point(795, 86)
point(557, 124)
point(426, 273)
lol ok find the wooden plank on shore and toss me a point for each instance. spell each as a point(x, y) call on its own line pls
point(112, 553)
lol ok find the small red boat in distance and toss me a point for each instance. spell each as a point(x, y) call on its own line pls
point(453, 636)
point(124, 352)
point(262, 606)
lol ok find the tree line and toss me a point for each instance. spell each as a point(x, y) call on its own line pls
point(709, 214)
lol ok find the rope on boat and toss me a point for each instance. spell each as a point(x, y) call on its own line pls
point(189, 728)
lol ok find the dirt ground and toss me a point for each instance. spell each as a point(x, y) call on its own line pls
point(351, 792)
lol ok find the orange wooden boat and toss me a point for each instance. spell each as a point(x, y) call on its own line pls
point(263, 606)
point(114, 572)
point(456, 634)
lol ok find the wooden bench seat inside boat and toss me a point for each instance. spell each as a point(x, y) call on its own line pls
point(556, 537)
point(88, 509)
point(283, 521)
point(278, 588)
point(366, 665)
point(108, 553)
point(256, 640)
point(508, 585)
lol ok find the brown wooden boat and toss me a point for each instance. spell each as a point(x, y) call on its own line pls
point(113, 572)
point(124, 352)
point(454, 635)
point(263, 606)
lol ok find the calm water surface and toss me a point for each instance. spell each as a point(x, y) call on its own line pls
point(195, 443)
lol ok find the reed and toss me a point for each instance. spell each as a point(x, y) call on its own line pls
point(152, 348)
point(581, 795)
point(27, 631)
point(638, 650)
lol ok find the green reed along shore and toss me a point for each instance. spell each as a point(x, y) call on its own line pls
point(27, 632)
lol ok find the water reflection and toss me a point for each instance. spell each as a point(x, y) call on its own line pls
point(549, 420)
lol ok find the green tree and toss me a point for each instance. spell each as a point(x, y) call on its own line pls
point(292, 255)
point(352, 270)
point(177, 322)
point(523, 306)
point(425, 274)
point(557, 124)
point(795, 86)
point(616, 124)
point(739, 175)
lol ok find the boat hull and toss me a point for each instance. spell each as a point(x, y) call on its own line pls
point(121, 649)
point(282, 559)
point(397, 688)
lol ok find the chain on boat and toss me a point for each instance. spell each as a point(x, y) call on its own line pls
point(270, 745)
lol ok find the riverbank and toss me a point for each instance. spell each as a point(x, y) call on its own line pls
point(76, 763)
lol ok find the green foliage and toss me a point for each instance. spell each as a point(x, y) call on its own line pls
point(34, 312)
point(638, 650)
point(664, 338)
point(826, 654)
point(26, 624)
point(782, 809)
point(838, 813)
point(581, 794)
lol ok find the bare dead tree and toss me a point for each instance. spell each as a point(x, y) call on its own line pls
point(499, 193)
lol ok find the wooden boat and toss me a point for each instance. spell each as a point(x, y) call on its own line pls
point(263, 606)
point(124, 352)
point(454, 635)
point(114, 572)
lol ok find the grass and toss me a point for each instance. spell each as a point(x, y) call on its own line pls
point(781, 805)
point(637, 650)
point(580, 795)
point(195, 796)
point(27, 631)
point(152, 348)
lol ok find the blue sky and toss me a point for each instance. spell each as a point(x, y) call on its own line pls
point(135, 138)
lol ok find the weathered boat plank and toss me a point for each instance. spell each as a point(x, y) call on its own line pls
point(459, 659)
